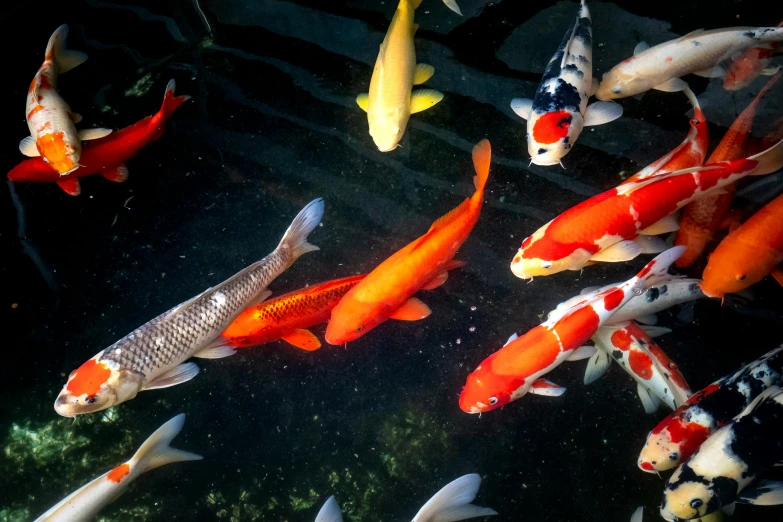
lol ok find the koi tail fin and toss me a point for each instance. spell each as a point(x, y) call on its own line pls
point(482, 155)
point(768, 161)
point(156, 451)
point(330, 512)
point(638, 515)
point(56, 51)
point(171, 102)
point(657, 270)
point(304, 223)
point(453, 502)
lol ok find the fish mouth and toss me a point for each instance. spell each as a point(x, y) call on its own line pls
point(62, 408)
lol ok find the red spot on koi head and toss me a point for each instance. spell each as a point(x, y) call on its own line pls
point(621, 340)
point(646, 466)
point(552, 127)
point(118, 473)
point(613, 299)
point(88, 378)
point(668, 59)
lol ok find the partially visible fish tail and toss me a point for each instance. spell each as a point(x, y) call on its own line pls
point(57, 53)
point(305, 222)
point(156, 450)
point(170, 101)
point(330, 512)
point(453, 502)
point(657, 270)
point(482, 155)
point(769, 161)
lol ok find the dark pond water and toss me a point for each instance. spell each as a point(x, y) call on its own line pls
point(272, 125)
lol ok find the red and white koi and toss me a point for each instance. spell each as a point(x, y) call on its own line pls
point(749, 65)
point(657, 377)
point(518, 367)
point(699, 52)
point(613, 225)
point(679, 435)
point(53, 134)
point(559, 111)
point(88, 500)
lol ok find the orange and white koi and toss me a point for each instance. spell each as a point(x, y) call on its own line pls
point(153, 355)
point(518, 367)
point(657, 377)
point(699, 52)
point(703, 217)
point(748, 254)
point(85, 503)
point(559, 111)
point(749, 65)
point(613, 226)
point(53, 135)
point(386, 293)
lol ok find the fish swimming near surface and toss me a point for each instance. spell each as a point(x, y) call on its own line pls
point(104, 156)
point(748, 254)
point(703, 217)
point(727, 466)
point(450, 504)
point(518, 367)
point(700, 52)
point(391, 100)
point(386, 293)
point(153, 356)
point(616, 225)
point(658, 379)
point(85, 503)
point(559, 111)
point(749, 65)
point(677, 437)
point(53, 134)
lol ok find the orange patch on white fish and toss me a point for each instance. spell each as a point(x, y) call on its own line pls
point(52, 146)
point(88, 378)
point(118, 473)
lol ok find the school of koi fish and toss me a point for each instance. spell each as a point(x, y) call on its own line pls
point(719, 441)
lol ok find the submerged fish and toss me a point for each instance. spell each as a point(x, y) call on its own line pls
point(386, 293)
point(699, 52)
point(748, 254)
point(85, 503)
point(677, 437)
point(105, 156)
point(153, 356)
point(452, 503)
point(615, 225)
point(749, 65)
point(518, 367)
point(728, 462)
point(559, 111)
point(390, 102)
point(703, 217)
point(53, 135)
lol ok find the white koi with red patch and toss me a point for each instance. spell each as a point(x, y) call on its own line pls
point(657, 377)
point(517, 368)
point(85, 503)
point(609, 227)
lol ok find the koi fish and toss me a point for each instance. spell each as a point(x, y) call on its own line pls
point(153, 356)
point(53, 134)
point(699, 52)
point(749, 65)
point(452, 4)
point(88, 500)
point(518, 367)
point(679, 435)
point(452, 503)
point(726, 464)
point(690, 153)
point(616, 225)
point(390, 102)
point(105, 156)
point(703, 217)
point(657, 377)
point(747, 255)
point(559, 111)
point(386, 292)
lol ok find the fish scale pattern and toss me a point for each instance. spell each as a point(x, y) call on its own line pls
point(306, 303)
point(166, 341)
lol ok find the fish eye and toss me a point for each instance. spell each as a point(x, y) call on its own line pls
point(674, 456)
point(493, 401)
point(695, 121)
point(546, 264)
point(742, 277)
point(359, 328)
point(617, 90)
point(697, 503)
point(91, 399)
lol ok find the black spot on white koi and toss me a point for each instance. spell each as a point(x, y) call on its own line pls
point(652, 294)
point(584, 31)
point(573, 69)
point(696, 43)
point(542, 151)
point(617, 354)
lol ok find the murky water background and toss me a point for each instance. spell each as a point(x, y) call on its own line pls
point(272, 125)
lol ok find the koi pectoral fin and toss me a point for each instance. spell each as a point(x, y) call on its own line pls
point(640, 48)
point(76, 117)
point(436, 281)
point(304, 339)
point(594, 86)
point(671, 85)
point(423, 99)
point(93, 134)
point(649, 401)
point(777, 274)
point(363, 101)
point(546, 388)
point(522, 107)
point(217, 350)
point(601, 112)
point(596, 367)
point(70, 186)
point(116, 174)
point(28, 147)
point(663, 226)
point(423, 73)
point(622, 251)
point(177, 375)
point(583, 352)
point(770, 71)
point(412, 310)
